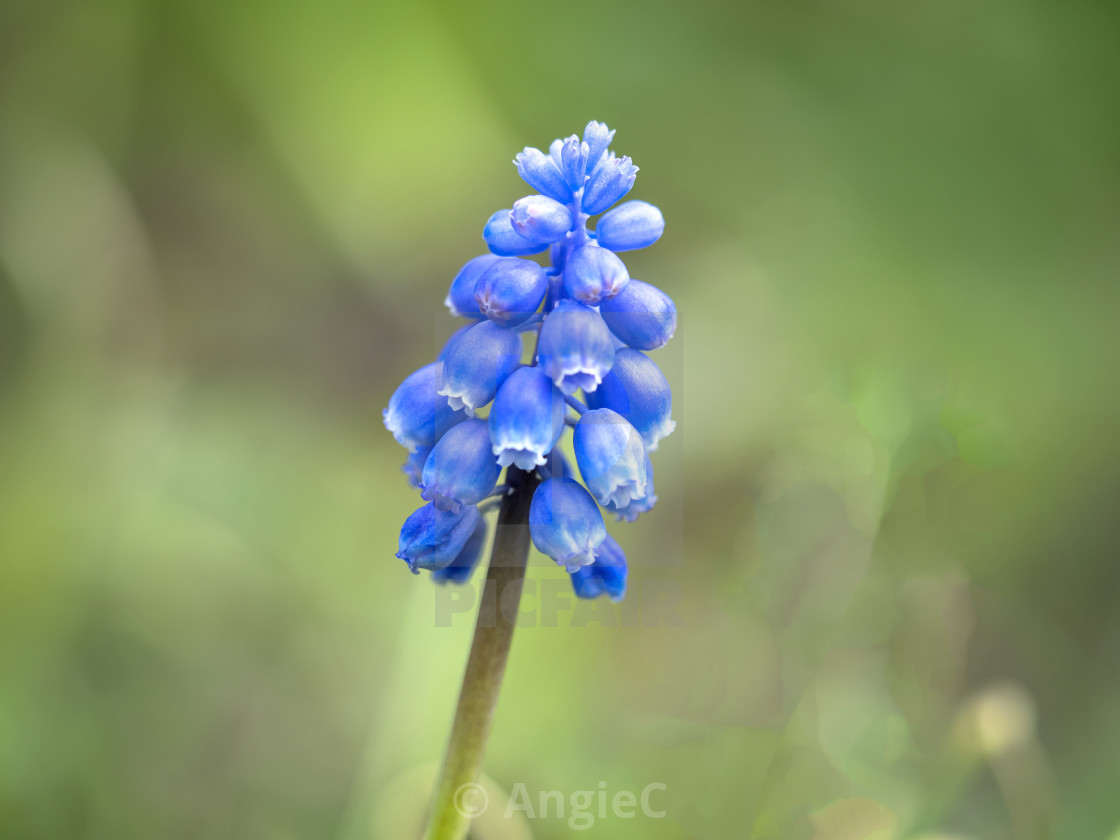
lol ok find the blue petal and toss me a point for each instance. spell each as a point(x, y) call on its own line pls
point(607, 575)
point(593, 274)
point(432, 538)
point(460, 298)
point(565, 523)
point(611, 457)
point(454, 337)
point(630, 512)
point(575, 348)
point(630, 226)
point(642, 316)
point(459, 570)
point(417, 415)
point(556, 154)
point(477, 363)
point(540, 219)
point(510, 291)
point(414, 466)
point(610, 181)
point(526, 419)
point(573, 156)
point(539, 172)
point(504, 241)
point(597, 137)
point(636, 388)
point(461, 469)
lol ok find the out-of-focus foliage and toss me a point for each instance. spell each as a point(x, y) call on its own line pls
point(888, 517)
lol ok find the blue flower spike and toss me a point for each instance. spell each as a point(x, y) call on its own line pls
point(594, 321)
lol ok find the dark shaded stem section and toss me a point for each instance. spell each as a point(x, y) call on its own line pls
point(497, 613)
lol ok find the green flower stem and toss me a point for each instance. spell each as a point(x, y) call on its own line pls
point(493, 632)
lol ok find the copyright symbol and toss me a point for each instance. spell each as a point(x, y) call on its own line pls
point(470, 800)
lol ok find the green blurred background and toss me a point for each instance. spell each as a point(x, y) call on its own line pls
point(890, 508)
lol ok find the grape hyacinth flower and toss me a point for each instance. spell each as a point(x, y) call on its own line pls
point(641, 316)
point(636, 388)
point(510, 291)
point(606, 576)
point(575, 348)
point(460, 297)
point(460, 470)
point(432, 538)
point(417, 415)
point(565, 523)
point(587, 370)
point(527, 419)
point(611, 457)
point(594, 321)
point(593, 274)
point(460, 569)
point(477, 363)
